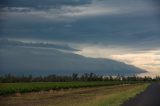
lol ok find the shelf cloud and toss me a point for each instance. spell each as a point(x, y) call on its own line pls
point(124, 30)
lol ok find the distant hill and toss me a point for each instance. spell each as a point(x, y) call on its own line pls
point(43, 61)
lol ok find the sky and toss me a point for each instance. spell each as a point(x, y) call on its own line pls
point(122, 30)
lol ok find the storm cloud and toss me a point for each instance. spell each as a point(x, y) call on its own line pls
point(92, 28)
point(108, 22)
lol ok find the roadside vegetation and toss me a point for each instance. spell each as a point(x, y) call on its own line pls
point(91, 89)
point(118, 97)
point(9, 88)
point(10, 84)
point(88, 96)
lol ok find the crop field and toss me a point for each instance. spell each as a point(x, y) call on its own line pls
point(86, 96)
point(9, 88)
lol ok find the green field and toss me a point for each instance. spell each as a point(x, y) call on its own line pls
point(8, 88)
point(87, 96)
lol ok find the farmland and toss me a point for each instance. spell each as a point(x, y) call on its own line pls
point(9, 88)
point(87, 96)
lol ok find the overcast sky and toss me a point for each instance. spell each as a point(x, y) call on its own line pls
point(124, 30)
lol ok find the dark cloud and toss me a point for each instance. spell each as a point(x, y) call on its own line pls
point(41, 4)
point(30, 44)
point(107, 30)
point(130, 24)
point(42, 62)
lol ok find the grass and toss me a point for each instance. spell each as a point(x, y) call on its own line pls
point(9, 88)
point(89, 96)
point(117, 98)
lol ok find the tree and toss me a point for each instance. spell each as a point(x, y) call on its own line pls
point(74, 76)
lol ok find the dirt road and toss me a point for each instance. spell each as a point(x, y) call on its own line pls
point(150, 97)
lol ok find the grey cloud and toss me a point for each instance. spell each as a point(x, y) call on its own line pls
point(45, 45)
point(65, 12)
point(41, 62)
point(135, 26)
point(41, 4)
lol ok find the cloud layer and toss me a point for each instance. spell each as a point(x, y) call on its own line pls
point(122, 22)
point(38, 61)
point(120, 30)
point(30, 44)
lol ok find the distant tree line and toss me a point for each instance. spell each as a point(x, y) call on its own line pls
point(9, 78)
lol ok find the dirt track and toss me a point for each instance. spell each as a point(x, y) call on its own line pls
point(150, 97)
